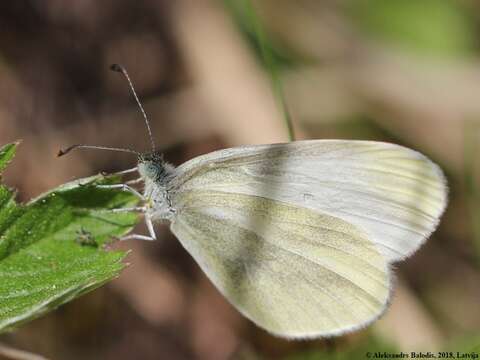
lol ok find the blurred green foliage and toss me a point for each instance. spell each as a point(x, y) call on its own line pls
point(430, 27)
point(359, 351)
point(466, 343)
point(242, 12)
point(471, 148)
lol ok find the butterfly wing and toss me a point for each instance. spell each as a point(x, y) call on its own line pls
point(291, 270)
point(393, 194)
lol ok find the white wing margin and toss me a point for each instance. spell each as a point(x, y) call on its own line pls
point(293, 271)
point(392, 193)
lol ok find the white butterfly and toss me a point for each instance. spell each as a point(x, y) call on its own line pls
point(299, 237)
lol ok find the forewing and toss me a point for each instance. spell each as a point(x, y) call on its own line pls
point(293, 271)
point(394, 194)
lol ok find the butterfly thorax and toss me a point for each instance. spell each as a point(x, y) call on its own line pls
point(157, 175)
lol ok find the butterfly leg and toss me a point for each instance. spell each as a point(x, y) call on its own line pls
point(141, 209)
point(134, 181)
point(152, 236)
point(148, 221)
point(123, 172)
point(136, 237)
point(123, 187)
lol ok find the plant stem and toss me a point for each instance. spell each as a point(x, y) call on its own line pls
point(272, 68)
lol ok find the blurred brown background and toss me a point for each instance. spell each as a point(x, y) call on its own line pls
point(404, 71)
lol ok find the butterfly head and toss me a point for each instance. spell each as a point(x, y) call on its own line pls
point(152, 166)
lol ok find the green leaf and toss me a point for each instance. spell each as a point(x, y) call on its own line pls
point(42, 262)
point(6, 154)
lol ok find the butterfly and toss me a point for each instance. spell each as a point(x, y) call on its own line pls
point(299, 237)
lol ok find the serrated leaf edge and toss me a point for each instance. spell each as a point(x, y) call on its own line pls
point(14, 147)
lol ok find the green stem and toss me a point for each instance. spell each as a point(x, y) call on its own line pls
point(271, 66)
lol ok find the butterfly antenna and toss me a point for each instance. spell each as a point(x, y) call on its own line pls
point(121, 69)
point(62, 152)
